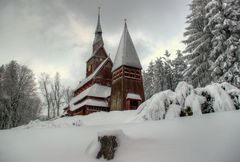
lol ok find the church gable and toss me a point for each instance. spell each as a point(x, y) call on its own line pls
point(104, 76)
point(95, 61)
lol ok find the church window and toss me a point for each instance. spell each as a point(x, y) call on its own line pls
point(89, 67)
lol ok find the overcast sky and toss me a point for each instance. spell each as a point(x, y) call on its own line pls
point(56, 35)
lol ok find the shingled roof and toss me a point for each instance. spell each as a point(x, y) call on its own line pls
point(126, 53)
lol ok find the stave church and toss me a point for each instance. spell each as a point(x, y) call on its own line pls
point(109, 85)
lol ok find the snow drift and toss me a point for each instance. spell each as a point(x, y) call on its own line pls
point(187, 101)
point(212, 137)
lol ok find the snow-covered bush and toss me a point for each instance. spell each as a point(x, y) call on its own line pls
point(187, 101)
point(156, 107)
point(233, 92)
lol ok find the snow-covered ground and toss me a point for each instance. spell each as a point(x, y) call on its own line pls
point(210, 138)
point(143, 136)
point(100, 118)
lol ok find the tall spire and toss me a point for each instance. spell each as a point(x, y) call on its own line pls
point(98, 40)
point(98, 28)
point(126, 53)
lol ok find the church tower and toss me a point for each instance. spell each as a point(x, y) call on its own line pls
point(98, 51)
point(127, 85)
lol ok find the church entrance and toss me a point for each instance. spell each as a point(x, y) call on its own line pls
point(132, 104)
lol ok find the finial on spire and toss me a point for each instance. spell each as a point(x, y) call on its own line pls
point(99, 10)
point(98, 28)
point(98, 41)
point(125, 23)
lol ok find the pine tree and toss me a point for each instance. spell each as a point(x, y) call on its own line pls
point(179, 66)
point(159, 78)
point(226, 41)
point(215, 17)
point(197, 45)
point(148, 83)
point(168, 71)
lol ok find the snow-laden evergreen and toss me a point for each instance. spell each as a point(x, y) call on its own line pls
point(213, 42)
point(179, 65)
point(187, 101)
point(163, 74)
point(198, 40)
point(224, 22)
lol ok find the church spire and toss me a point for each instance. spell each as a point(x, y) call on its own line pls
point(98, 28)
point(126, 53)
point(98, 40)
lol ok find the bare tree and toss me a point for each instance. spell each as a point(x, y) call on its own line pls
point(53, 94)
point(57, 93)
point(67, 95)
point(44, 85)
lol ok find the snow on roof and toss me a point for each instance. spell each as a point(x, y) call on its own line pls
point(89, 102)
point(95, 90)
point(126, 53)
point(134, 96)
point(84, 81)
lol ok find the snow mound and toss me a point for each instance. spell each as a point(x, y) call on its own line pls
point(54, 123)
point(187, 101)
point(98, 118)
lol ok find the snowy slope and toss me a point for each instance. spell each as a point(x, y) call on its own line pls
point(100, 118)
point(210, 138)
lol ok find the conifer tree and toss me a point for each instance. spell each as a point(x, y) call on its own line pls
point(226, 41)
point(148, 80)
point(198, 41)
point(179, 66)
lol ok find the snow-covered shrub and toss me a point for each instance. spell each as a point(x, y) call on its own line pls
point(221, 99)
point(186, 112)
point(182, 90)
point(156, 107)
point(187, 101)
point(173, 111)
point(193, 103)
point(233, 92)
point(207, 106)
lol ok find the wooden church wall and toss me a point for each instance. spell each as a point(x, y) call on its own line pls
point(117, 94)
point(125, 80)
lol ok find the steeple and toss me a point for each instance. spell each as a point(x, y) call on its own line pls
point(126, 53)
point(98, 41)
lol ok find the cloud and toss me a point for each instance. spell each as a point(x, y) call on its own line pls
point(56, 36)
